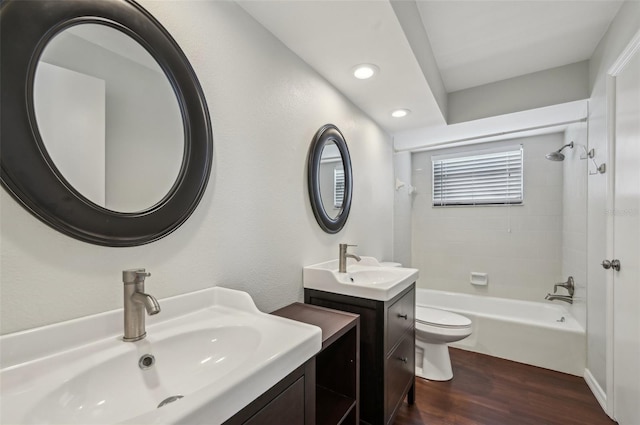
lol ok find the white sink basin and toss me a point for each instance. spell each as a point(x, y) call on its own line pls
point(365, 279)
point(214, 348)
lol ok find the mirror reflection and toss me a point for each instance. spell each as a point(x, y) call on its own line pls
point(108, 117)
point(331, 176)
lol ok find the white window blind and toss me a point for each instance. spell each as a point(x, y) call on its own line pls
point(479, 179)
point(338, 187)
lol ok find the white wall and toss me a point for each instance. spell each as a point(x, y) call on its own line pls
point(403, 201)
point(574, 218)
point(622, 29)
point(266, 105)
point(519, 247)
point(536, 90)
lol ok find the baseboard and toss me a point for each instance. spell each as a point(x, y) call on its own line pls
point(596, 389)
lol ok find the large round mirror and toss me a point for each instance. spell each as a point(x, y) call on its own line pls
point(105, 130)
point(108, 117)
point(330, 179)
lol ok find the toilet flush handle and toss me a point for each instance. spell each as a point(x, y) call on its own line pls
point(404, 316)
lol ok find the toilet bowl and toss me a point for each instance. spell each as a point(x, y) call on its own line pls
point(434, 330)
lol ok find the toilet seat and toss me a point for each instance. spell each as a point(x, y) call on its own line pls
point(441, 318)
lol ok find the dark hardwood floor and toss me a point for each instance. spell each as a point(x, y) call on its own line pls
point(486, 390)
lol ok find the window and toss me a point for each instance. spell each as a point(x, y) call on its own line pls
point(338, 187)
point(480, 178)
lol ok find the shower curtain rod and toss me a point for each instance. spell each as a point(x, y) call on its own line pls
point(465, 140)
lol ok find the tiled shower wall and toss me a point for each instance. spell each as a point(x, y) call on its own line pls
point(520, 247)
point(574, 217)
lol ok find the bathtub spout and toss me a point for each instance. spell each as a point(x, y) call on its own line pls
point(565, 298)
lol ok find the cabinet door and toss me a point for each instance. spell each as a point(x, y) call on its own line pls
point(287, 408)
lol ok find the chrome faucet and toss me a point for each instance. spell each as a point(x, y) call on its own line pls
point(565, 298)
point(342, 259)
point(135, 304)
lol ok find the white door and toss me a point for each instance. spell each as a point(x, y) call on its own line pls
point(626, 244)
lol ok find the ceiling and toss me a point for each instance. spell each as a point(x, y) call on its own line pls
point(427, 49)
point(480, 42)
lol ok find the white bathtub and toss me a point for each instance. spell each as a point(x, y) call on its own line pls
point(524, 331)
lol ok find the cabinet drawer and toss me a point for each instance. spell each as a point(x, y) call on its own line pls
point(286, 408)
point(399, 373)
point(400, 317)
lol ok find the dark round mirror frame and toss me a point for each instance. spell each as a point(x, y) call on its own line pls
point(28, 173)
point(328, 133)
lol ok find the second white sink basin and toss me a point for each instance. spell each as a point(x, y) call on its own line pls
point(213, 353)
point(375, 277)
point(364, 279)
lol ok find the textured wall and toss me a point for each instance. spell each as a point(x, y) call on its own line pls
point(518, 246)
point(254, 229)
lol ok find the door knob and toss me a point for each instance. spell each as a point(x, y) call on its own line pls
point(613, 264)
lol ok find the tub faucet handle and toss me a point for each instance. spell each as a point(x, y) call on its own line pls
point(569, 285)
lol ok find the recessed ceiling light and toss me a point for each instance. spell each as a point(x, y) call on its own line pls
point(364, 71)
point(399, 113)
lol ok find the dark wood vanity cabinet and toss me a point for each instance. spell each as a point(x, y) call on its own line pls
point(337, 391)
point(387, 350)
point(291, 401)
point(323, 391)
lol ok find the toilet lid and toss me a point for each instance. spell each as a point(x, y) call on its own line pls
point(441, 318)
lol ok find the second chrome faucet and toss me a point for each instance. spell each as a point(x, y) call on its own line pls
point(342, 259)
point(136, 302)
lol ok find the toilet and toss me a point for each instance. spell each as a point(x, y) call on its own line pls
point(434, 330)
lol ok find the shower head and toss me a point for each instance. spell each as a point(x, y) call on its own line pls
point(557, 155)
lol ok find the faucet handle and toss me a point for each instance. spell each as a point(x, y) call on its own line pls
point(343, 249)
point(134, 275)
point(569, 285)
